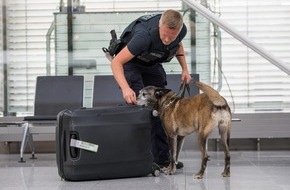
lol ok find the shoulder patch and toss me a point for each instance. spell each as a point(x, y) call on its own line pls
point(147, 17)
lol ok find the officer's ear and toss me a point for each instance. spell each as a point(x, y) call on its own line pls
point(161, 92)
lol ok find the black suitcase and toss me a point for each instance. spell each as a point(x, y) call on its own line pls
point(104, 143)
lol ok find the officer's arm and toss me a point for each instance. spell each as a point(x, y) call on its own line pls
point(182, 61)
point(118, 71)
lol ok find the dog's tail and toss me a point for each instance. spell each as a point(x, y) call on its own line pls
point(212, 94)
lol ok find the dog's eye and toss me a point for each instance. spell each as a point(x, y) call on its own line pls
point(144, 94)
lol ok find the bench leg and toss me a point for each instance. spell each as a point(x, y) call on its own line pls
point(31, 145)
point(217, 144)
point(258, 144)
point(25, 137)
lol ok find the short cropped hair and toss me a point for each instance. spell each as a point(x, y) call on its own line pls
point(171, 19)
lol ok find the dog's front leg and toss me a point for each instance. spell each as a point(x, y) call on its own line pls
point(171, 169)
point(180, 140)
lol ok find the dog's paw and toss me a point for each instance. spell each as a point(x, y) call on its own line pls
point(198, 176)
point(226, 174)
point(168, 170)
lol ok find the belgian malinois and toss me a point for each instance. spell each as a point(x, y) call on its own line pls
point(182, 116)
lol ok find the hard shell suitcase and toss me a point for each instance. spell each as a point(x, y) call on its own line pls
point(104, 143)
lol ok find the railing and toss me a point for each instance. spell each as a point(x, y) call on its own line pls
point(244, 39)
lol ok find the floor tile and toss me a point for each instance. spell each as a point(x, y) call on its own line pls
point(265, 170)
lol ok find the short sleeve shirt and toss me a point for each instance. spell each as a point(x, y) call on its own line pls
point(141, 40)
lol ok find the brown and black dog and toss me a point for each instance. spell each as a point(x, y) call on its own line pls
point(182, 116)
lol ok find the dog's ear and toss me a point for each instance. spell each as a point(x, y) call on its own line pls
point(161, 92)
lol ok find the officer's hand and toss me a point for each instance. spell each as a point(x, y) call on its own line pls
point(186, 77)
point(129, 96)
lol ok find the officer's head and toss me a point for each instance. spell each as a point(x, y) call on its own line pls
point(170, 25)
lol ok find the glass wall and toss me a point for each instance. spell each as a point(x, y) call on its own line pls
point(1, 63)
point(29, 41)
point(249, 82)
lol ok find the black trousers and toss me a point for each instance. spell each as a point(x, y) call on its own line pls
point(139, 76)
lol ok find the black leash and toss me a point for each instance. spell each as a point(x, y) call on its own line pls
point(183, 87)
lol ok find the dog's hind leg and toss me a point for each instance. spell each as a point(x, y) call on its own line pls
point(225, 140)
point(204, 157)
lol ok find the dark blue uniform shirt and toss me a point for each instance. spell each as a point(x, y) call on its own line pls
point(141, 40)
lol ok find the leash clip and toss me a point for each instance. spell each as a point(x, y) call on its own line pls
point(155, 113)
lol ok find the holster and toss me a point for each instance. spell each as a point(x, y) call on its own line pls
point(115, 46)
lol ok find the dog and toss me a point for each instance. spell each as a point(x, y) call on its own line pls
point(182, 116)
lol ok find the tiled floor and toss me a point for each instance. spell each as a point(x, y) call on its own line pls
point(266, 170)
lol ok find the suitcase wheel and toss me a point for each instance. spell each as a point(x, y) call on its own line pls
point(155, 170)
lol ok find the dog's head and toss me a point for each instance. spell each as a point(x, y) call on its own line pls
point(149, 95)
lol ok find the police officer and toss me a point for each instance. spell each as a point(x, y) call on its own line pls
point(151, 40)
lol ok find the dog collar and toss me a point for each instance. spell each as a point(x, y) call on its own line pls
point(155, 113)
point(171, 100)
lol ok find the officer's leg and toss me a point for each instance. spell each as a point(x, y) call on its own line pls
point(134, 78)
point(160, 149)
point(156, 76)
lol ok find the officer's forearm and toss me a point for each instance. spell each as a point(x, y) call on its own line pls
point(181, 57)
point(119, 76)
point(183, 66)
point(117, 67)
point(182, 62)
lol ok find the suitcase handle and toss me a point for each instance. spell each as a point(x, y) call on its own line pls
point(74, 152)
